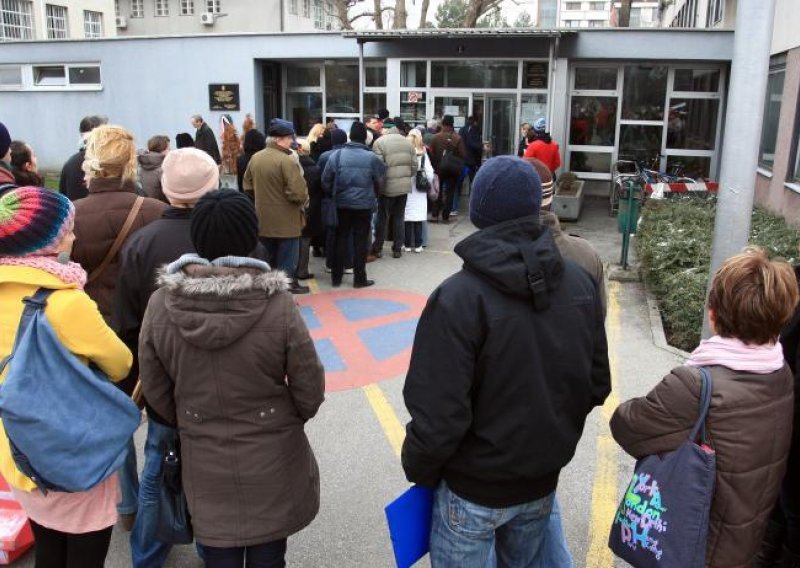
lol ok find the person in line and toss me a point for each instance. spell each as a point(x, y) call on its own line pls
point(223, 338)
point(446, 141)
point(6, 175)
point(374, 128)
point(399, 156)
point(314, 228)
point(338, 139)
point(542, 147)
point(522, 331)
point(416, 213)
point(749, 425)
point(231, 146)
point(150, 167)
point(71, 530)
point(184, 140)
point(205, 140)
point(275, 178)
point(524, 128)
point(313, 137)
point(72, 182)
point(24, 166)
point(254, 142)
point(434, 127)
point(352, 176)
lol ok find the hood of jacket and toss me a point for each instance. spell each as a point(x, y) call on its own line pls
point(518, 257)
point(151, 160)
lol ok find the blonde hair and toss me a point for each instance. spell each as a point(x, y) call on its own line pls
point(415, 137)
point(315, 132)
point(110, 153)
point(753, 297)
point(303, 147)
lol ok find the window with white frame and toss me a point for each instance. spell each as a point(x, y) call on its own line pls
point(571, 6)
point(572, 23)
point(597, 23)
point(772, 111)
point(137, 8)
point(92, 24)
point(187, 7)
point(213, 6)
point(16, 19)
point(329, 16)
point(162, 8)
point(60, 77)
point(318, 24)
point(795, 175)
point(10, 77)
point(715, 12)
point(293, 7)
point(56, 22)
point(306, 8)
point(597, 5)
point(116, 8)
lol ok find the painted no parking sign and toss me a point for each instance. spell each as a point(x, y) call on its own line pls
point(362, 336)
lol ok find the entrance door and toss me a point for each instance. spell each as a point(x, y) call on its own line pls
point(458, 106)
point(499, 124)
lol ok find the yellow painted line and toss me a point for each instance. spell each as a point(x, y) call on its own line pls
point(391, 425)
point(604, 491)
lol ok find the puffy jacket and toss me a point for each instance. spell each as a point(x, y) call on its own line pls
point(401, 162)
point(547, 152)
point(351, 175)
point(71, 183)
point(509, 358)
point(749, 427)
point(150, 174)
point(226, 356)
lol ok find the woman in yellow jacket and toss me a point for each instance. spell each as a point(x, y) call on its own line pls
point(36, 236)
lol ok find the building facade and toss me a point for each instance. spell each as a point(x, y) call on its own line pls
point(56, 19)
point(601, 14)
point(699, 14)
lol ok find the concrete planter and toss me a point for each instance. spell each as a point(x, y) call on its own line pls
point(568, 207)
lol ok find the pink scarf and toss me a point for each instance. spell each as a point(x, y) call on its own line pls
point(69, 272)
point(738, 356)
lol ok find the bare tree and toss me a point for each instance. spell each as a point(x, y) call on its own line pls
point(423, 17)
point(625, 14)
point(378, 15)
point(400, 15)
point(478, 8)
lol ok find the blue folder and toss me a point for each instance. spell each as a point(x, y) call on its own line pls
point(409, 518)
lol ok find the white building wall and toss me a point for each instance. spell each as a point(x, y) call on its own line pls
point(787, 23)
point(75, 17)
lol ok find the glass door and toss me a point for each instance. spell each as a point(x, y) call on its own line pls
point(499, 128)
point(458, 106)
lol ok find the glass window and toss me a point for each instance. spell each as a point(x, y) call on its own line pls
point(137, 8)
point(796, 160)
point(597, 23)
point(596, 78)
point(373, 102)
point(590, 162)
point(714, 14)
point(572, 5)
point(306, 8)
point(56, 22)
point(49, 76)
point(692, 124)
point(412, 106)
point(162, 8)
point(597, 5)
point(318, 22)
point(645, 92)
point(413, 74)
point(341, 88)
point(636, 18)
point(639, 142)
point(92, 24)
point(303, 76)
point(375, 74)
point(89, 75)
point(772, 114)
point(16, 19)
point(695, 167)
point(293, 7)
point(304, 110)
point(474, 74)
point(533, 107)
point(593, 121)
point(697, 80)
point(213, 6)
point(116, 8)
point(187, 7)
point(11, 76)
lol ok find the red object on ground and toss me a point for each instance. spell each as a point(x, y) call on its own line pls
point(16, 536)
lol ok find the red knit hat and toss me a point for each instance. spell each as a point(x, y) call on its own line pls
point(33, 221)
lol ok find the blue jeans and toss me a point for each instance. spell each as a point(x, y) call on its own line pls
point(267, 555)
point(146, 550)
point(129, 483)
point(283, 254)
point(463, 533)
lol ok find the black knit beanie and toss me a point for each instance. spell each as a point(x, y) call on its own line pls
point(224, 223)
point(358, 132)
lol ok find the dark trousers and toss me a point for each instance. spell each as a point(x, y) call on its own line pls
point(394, 207)
point(330, 249)
point(282, 253)
point(357, 222)
point(55, 549)
point(447, 192)
point(268, 555)
point(413, 234)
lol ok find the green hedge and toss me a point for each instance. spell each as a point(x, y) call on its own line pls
point(674, 248)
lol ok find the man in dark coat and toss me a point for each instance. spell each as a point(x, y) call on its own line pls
point(509, 358)
point(6, 175)
point(204, 139)
point(72, 182)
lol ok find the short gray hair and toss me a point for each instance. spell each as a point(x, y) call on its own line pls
point(272, 140)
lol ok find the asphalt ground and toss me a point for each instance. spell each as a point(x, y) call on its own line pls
point(357, 433)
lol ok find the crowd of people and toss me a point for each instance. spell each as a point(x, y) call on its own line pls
point(180, 292)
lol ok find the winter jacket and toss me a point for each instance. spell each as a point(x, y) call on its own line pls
point(150, 174)
point(71, 183)
point(205, 140)
point(473, 145)
point(241, 166)
point(275, 178)
point(77, 324)
point(352, 175)
point(400, 159)
point(446, 140)
point(547, 152)
point(322, 161)
point(98, 220)
point(749, 428)
point(226, 357)
point(6, 175)
point(313, 176)
point(522, 146)
point(509, 358)
point(417, 202)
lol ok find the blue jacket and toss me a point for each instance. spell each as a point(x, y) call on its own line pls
point(352, 175)
point(325, 156)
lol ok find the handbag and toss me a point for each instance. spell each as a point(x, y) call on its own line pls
point(450, 165)
point(662, 520)
point(68, 426)
point(174, 521)
point(330, 216)
point(422, 180)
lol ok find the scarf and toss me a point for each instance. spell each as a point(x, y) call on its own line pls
point(738, 356)
point(68, 272)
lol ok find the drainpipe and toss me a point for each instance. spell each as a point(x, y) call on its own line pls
point(361, 79)
point(283, 15)
point(751, 50)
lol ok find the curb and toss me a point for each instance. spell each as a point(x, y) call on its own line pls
point(657, 327)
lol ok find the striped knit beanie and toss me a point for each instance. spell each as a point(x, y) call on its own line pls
point(33, 221)
point(224, 223)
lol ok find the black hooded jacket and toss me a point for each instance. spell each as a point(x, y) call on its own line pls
point(509, 357)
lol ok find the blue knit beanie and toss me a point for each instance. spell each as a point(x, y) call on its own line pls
point(505, 188)
point(540, 126)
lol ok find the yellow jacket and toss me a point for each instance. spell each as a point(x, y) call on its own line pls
point(77, 323)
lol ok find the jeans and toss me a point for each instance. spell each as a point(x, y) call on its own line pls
point(283, 254)
point(129, 483)
point(267, 555)
point(56, 549)
point(353, 230)
point(146, 550)
point(462, 532)
point(425, 233)
point(414, 234)
point(444, 202)
point(394, 207)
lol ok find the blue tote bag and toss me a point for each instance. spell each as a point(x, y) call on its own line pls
point(67, 424)
point(662, 521)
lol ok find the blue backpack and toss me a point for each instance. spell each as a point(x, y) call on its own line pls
point(67, 424)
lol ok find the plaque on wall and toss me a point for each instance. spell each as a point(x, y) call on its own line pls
point(223, 97)
point(536, 74)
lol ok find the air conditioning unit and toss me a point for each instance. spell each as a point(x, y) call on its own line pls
point(122, 23)
point(207, 18)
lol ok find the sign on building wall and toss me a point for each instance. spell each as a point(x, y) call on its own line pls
point(536, 75)
point(223, 97)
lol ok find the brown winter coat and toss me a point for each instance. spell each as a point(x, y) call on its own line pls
point(749, 426)
point(225, 355)
point(99, 218)
point(445, 140)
